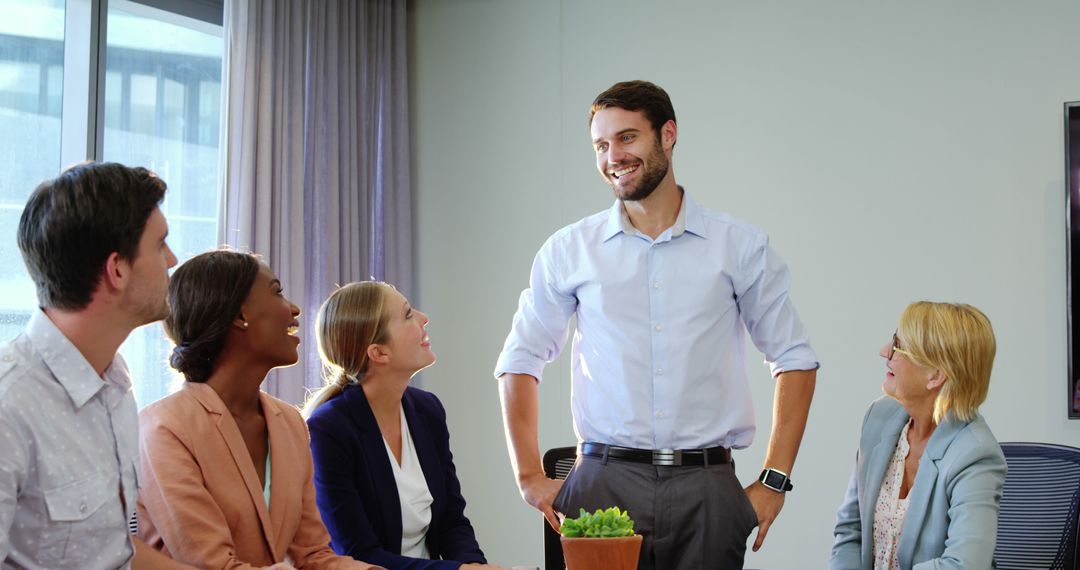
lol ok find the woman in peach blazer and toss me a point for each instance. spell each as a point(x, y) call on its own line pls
point(227, 471)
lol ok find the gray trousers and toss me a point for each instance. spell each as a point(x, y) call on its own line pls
point(690, 517)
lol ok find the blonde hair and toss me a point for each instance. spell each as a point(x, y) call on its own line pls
point(353, 318)
point(958, 340)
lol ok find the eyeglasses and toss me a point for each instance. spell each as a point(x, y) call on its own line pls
point(895, 347)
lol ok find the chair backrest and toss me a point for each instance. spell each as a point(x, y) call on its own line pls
point(1038, 524)
point(557, 464)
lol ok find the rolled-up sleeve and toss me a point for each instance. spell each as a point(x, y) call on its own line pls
point(542, 321)
point(762, 292)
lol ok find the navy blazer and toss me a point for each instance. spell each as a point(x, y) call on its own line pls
point(357, 494)
point(951, 521)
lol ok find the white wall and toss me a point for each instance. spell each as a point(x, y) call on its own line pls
point(892, 151)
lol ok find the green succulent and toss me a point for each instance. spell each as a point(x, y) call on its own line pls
point(601, 524)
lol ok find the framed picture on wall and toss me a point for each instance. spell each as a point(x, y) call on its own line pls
point(1072, 203)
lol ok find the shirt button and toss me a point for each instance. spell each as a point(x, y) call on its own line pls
point(8, 358)
point(656, 285)
point(660, 414)
point(659, 328)
point(82, 508)
point(659, 371)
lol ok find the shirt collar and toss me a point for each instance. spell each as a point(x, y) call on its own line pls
point(614, 223)
point(69, 366)
point(693, 216)
point(690, 219)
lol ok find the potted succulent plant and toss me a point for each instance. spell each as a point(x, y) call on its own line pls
point(604, 539)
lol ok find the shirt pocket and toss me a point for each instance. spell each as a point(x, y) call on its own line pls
point(71, 510)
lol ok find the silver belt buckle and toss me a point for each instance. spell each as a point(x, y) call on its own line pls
point(671, 457)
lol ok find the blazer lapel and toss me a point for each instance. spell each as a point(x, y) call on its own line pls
point(875, 465)
point(425, 452)
point(284, 483)
point(230, 433)
point(922, 490)
point(383, 483)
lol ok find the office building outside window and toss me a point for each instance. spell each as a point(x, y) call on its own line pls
point(161, 110)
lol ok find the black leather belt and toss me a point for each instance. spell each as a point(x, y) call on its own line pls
point(711, 456)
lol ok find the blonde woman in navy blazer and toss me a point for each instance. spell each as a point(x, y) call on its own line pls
point(938, 373)
point(373, 342)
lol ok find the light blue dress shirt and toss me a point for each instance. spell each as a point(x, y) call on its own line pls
point(658, 353)
point(69, 455)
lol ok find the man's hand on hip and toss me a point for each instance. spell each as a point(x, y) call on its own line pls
point(540, 491)
point(767, 504)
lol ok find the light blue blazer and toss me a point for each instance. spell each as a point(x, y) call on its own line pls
point(951, 520)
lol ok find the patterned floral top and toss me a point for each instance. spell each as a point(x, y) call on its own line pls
point(890, 509)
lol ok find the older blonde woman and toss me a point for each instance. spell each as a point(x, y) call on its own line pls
point(927, 481)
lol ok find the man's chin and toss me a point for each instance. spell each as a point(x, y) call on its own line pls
point(635, 194)
point(622, 192)
point(154, 316)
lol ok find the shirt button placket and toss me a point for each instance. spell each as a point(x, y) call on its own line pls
point(658, 314)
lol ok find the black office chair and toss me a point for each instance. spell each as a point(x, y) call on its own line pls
point(557, 464)
point(1038, 524)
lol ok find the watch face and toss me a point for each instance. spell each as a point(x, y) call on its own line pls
point(774, 480)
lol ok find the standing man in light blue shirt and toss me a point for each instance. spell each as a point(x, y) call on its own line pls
point(664, 292)
point(93, 241)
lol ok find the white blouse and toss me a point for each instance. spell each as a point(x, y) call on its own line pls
point(890, 509)
point(413, 492)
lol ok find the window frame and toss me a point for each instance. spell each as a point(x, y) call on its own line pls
point(82, 124)
point(84, 107)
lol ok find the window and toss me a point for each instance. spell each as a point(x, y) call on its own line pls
point(159, 107)
point(162, 111)
point(31, 87)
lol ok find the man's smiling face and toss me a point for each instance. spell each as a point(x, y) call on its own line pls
point(629, 153)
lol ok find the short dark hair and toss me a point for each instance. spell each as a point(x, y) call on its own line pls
point(73, 223)
point(637, 96)
point(205, 295)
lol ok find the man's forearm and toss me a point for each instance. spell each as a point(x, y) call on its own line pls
point(518, 393)
point(791, 406)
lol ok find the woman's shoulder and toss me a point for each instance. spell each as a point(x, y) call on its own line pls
point(976, 441)
point(346, 415)
point(288, 412)
point(882, 409)
point(180, 416)
point(277, 405)
point(287, 416)
point(178, 407)
point(425, 401)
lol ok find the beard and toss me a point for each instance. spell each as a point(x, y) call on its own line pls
point(152, 312)
point(146, 307)
point(655, 166)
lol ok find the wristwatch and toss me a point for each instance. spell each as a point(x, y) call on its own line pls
point(776, 480)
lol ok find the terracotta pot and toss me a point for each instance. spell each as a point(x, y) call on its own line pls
point(601, 553)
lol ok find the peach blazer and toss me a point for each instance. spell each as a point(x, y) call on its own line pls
point(200, 500)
